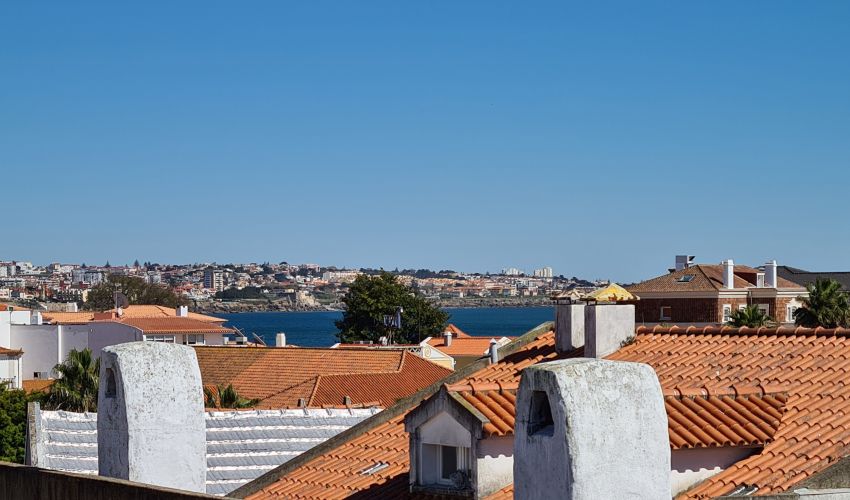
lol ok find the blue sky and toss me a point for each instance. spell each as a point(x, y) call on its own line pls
point(598, 139)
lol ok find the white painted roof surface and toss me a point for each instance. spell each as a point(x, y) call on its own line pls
point(241, 445)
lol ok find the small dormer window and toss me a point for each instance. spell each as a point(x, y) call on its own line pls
point(445, 465)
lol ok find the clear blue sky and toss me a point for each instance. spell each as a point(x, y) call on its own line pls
point(600, 140)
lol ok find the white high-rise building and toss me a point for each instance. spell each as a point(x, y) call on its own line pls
point(543, 272)
point(511, 271)
point(214, 279)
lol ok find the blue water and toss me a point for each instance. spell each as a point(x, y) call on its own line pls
point(316, 329)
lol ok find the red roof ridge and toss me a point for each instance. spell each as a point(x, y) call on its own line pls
point(743, 330)
point(475, 387)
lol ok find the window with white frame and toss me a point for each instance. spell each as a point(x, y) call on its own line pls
point(446, 465)
point(727, 313)
point(168, 339)
point(194, 339)
point(666, 312)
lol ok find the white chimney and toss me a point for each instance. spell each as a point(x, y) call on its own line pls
point(150, 415)
point(280, 340)
point(35, 318)
point(447, 338)
point(683, 262)
point(728, 274)
point(569, 327)
point(607, 327)
point(494, 351)
point(770, 275)
point(182, 311)
point(590, 429)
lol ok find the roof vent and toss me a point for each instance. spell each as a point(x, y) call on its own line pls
point(301, 403)
point(346, 400)
point(447, 338)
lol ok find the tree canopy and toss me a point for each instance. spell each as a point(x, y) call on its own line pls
point(13, 424)
point(137, 290)
point(76, 387)
point(750, 316)
point(226, 397)
point(370, 298)
point(827, 305)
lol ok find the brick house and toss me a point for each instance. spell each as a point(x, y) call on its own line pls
point(708, 293)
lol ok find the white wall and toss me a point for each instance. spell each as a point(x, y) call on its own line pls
point(40, 346)
point(443, 429)
point(109, 333)
point(691, 466)
point(495, 464)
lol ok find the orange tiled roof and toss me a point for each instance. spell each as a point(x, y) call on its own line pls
point(173, 325)
point(811, 432)
point(280, 377)
point(150, 311)
point(6, 307)
point(710, 418)
point(37, 385)
point(130, 312)
point(5, 351)
point(705, 277)
point(455, 331)
point(463, 346)
point(497, 402)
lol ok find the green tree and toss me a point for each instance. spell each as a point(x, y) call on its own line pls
point(75, 389)
point(226, 397)
point(13, 424)
point(750, 316)
point(137, 290)
point(371, 298)
point(827, 306)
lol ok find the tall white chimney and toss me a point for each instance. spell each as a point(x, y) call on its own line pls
point(447, 338)
point(728, 274)
point(606, 328)
point(569, 327)
point(770, 276)
point(150, 415)
point(280, 340)
point(494, 351)
point(589, 429)
point(182, 311)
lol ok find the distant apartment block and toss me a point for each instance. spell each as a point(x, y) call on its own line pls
point(543, 272)
point(214, 279)
point(708, 293)
point(511, 271)
point(343, 276)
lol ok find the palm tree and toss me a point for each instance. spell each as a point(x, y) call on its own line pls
point(226, 397)
point(750, 316)
point(75, 388)
point(827, 306)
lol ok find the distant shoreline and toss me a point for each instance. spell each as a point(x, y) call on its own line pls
point(237, 307)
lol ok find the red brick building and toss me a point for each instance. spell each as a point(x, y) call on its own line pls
point(708, 293)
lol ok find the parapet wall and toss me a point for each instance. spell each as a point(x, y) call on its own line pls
point(19, 482)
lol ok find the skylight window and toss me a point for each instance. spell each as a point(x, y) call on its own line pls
point(686, 278)
point(368, 471)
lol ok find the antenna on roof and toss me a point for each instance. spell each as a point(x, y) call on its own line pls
point(259, 340)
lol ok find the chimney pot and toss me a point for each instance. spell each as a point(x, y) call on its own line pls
point(494, 351)
point(280, 340)
point(182, 311)
point(728, 274)
point(447, 338)
point(771, 280)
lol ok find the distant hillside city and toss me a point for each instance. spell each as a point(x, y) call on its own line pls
point(279, 287)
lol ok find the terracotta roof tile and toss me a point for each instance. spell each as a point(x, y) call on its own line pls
point(705, 277)
point(781, 388)
point(465, 346)
point(130, 312)
point(173, 325)
point(280, 377)
point(5, 351)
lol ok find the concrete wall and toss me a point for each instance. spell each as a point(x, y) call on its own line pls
point(445, 430)
point(689, 467)
point(494, 463)
point(18, 482)
point(40, 345)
